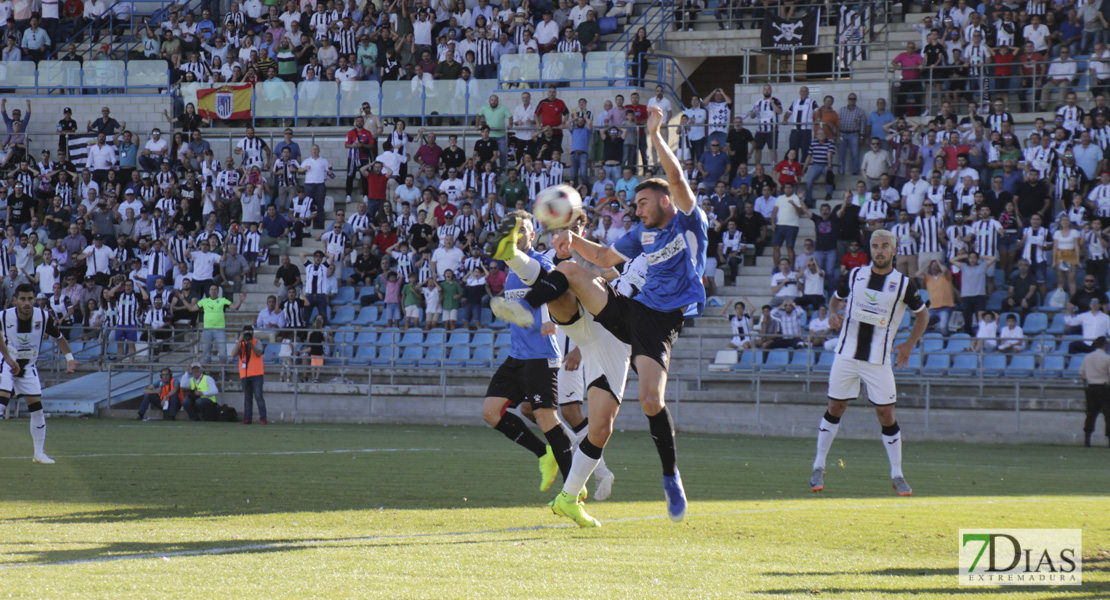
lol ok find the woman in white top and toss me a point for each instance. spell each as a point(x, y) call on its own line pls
point(1066, 242)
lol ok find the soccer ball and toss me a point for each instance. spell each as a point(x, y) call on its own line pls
point(556, 207)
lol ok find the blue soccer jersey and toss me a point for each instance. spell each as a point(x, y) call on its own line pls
point(675, 262)
point(530, 343)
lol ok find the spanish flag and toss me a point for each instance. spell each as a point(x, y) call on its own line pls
point(225, 102)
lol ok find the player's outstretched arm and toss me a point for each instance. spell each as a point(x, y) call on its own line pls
point(681, 194)
point(602, 256)
point(63, 345)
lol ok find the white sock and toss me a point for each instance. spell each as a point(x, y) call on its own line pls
point(826, 433)
point(602, 470)
point(581, 467)
point(38, 430)
point(525, 267)
point(893, 445)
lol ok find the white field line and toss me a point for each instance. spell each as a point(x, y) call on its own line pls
point(274, 453)
point(271, 546)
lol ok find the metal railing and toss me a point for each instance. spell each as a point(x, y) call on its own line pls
point(804, 369)
point(138, 10)
point(654, 18)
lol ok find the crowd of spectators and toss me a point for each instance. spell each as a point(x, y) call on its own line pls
point(335, 40)
point(985, 213)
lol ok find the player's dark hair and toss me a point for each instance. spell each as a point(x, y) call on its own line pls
point(656, 184)
point(521, 215)
point(24, 288)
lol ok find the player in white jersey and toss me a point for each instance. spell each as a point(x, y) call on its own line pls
point(672, 234)
point(24, 328)
point(876, 298)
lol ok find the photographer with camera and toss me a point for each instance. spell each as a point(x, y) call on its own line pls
point(251, 374)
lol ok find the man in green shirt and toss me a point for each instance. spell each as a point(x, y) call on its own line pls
point(498, 118)
point(448, 69)
point(212, 335)
point(589, 33)
point(513, 189)
point(451, 291)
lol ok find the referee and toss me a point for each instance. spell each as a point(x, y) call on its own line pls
point(1095, 371)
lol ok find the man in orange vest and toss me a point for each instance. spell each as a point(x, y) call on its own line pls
point(167, 394)
point(251, 375)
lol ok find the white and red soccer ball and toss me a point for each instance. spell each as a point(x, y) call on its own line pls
point(557, 206)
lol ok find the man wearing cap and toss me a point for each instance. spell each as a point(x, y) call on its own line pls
point(248, 354)
point(199, 391)
point(66, 126)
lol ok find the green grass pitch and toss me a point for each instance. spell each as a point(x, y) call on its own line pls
point(188, 510)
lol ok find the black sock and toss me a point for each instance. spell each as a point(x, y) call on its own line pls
point(662, 432)
point(33, 406)
point(589, 449)
point(831, 419)
point(548, 286)
point(584, 424)
point(4, 401)
point(889, 430)
point(561, 448)
point(517, 431)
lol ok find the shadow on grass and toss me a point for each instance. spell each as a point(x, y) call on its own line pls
point(903, 572)
point(1058, 592)
point(123, 551)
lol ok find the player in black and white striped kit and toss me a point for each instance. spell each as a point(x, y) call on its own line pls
point(874, 298)
point(23, 328)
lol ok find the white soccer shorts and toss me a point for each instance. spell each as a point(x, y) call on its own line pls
point(27, 385)
point(846, 374)
point(572, 384)
point(603, 355)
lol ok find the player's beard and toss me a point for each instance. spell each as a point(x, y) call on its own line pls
point(882, 261)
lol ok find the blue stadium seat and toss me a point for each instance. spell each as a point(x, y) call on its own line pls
point(366, 316)
point(1074, 364)
point(924, 294)
point(364, 355)
point(502, 353)
point(482, 357)
point(458, 338)
point(994, 365)
point(367, 291)
point(432, 358)
point(382, 321)
point(937, 364)
point(411, 338)
point(486, 316)
point(90, 350)
point(800, 362)
point(964, 365)
point(777, 360)
point(497, 324)
point(1059, 323)
point(460, 354)
point(824, 363)
point(435, 338)
point(503, 339)
point(746, 362)
point(914, 366)
point(995, 301)
point(482, 339)
point(932, 342)
point(1022, 365)
point(345, 295)
point(958, 343)
point(410, 356)
point(1054, 365)
point(269, 354)
point(343, 315)
point(1035, 323)
point(1041, 344)
point(386, 356)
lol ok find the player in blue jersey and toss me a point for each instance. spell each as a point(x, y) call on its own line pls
point(672, 234)
point(530, 374)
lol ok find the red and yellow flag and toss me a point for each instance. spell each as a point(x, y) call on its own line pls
point(225, 102)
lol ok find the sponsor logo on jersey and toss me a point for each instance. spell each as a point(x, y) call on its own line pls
point(871, 297)
point(647, 237)
point(677, 245)
point(892, 287)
